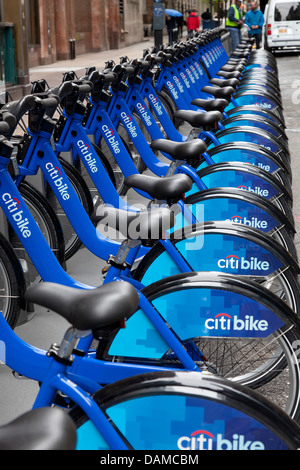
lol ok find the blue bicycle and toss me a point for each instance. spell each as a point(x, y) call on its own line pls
point(167, 336)
point(106, 416)
point(181, 251)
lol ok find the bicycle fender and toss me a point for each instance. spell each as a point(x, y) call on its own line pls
point(245, 177)
point(254, 153)
point(227, 203)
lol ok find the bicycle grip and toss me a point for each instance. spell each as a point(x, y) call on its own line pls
point(9, 118)
point(129, 70)
point(50, 102)
point(66, 88)
point(109, 77)
point(85, 87)
point(4, 127)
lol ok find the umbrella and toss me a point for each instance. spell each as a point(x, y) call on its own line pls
point(171, 12)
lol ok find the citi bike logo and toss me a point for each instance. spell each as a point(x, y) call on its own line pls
point(204, 440)
point(257, 190)
point(156, 104)
point(189, 73)
point(193, 69)
point(225, 322)
point(111, 138)
point(14, 207)
point(58, 180)
point(87, 154)
point(234, 262)
point(263, 105)
point(183, 76)
point(129, 124)
point(144, 113)
point(178, 83)
point(172, 89)
point(252, 222)
point(199, 69)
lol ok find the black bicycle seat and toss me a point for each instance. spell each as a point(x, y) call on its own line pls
point(217, 104)
point(87, 309)
point(198, 119)
point(188, 151)
point(224, 92)
point(39, 429)
point(169, 188)
point(224, 82)
point(232, 68)
point(232, 74)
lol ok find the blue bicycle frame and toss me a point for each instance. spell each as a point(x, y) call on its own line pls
point(169, 78)
point(120, 112)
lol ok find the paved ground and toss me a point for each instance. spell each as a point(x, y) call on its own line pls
point(46, 327)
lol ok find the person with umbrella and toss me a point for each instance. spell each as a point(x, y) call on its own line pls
point(171, 26)
point(172, 17)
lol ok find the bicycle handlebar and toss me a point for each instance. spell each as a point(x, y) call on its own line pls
point(4, 127)
point(50, 102)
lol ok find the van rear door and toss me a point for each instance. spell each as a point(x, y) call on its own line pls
point(286, 26)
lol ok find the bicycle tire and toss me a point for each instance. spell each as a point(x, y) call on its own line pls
point(71, 240)
point(48, 223)
point(12, 283)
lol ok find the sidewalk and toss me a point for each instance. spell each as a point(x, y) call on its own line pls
point(53, 72)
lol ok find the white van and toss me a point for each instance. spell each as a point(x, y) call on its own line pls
point(282, 24)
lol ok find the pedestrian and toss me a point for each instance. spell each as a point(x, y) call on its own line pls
point(234, 23)
point(171, 26)
point(192, 22)
point(254, 19)
point(206, 19)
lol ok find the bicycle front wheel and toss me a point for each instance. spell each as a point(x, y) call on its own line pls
point(184, 411)
point(12, 283)
point(203, 310)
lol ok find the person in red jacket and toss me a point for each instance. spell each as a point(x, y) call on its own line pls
point(192, 22)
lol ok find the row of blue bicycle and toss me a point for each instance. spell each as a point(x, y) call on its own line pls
point(200, 137)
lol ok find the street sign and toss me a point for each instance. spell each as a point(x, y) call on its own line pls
point(158, 16)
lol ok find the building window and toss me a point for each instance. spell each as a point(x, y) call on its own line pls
point(33, 23)
point(121, 7)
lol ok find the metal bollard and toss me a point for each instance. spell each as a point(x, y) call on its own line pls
point(72, 49)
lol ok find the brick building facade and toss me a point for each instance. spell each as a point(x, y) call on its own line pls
point(50, 30)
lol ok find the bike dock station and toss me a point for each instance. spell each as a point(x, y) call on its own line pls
point(229, 250)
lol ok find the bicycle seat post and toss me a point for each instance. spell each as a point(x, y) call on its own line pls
point(69, 343)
